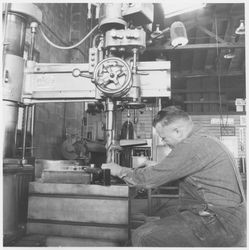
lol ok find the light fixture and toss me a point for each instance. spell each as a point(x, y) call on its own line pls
point(178, 34)
point(157, 33)
point(229, 54)
point(241, 29)
point(175, 8)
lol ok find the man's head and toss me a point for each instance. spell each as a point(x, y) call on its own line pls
point(173, 125)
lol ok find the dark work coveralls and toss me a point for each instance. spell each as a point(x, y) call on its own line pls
point(211, 210)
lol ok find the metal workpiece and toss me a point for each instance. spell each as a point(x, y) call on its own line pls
point(110, 16)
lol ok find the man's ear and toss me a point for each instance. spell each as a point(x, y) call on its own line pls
point(179, 130)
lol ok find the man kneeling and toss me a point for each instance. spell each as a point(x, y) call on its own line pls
point(212, 209)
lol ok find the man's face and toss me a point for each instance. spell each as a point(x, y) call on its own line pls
point(169, 134)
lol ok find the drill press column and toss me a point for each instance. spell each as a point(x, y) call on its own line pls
point(109, 105)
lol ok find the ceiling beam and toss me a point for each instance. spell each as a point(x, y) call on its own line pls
point(185, 91)
point(211, 34)
point(198, 74)
point(195, 46)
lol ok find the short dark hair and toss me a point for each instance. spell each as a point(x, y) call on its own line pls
point(169, 115)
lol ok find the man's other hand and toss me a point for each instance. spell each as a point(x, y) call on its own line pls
point(115, 168)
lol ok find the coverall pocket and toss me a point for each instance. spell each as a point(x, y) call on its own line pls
point(212, 231)
point(208, 229)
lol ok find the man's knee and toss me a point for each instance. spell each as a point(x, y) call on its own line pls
point(141, 235)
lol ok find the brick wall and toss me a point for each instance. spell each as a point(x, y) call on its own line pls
point(53, 119)
point(80, 26)
point(75, 112)
point(55, 18)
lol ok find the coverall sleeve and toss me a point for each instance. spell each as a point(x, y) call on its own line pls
point(181, 162)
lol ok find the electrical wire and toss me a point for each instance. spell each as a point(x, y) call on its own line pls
point(218, 74)
point(67, 47)
point(59, 39)
point(95, 39)
point(222, 125)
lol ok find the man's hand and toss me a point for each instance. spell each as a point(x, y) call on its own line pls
point(146, 163)
point(149, 163)
point(115, 168)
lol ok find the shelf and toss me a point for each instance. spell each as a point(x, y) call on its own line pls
point(209, 102)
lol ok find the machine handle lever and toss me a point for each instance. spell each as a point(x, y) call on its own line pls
point(76, 73)
point(85, 75)
point(142, 73)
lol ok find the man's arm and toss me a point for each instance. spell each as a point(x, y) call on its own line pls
point(181, 162)
point(123, 172)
